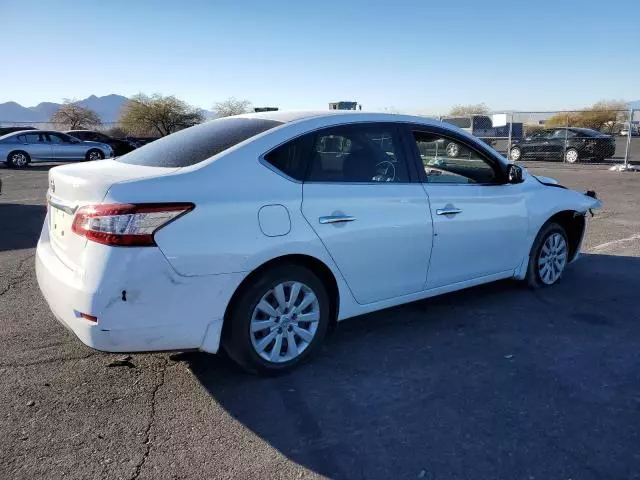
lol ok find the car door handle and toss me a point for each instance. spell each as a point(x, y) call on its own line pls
point(448, 211)
point(336, 219)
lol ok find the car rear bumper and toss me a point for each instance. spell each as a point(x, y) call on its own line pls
point(159, 310)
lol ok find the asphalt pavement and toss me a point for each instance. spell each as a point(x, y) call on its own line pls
point(493, 382)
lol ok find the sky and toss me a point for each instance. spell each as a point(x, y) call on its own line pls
point(418, 56)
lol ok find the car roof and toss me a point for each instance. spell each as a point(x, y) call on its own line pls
point(346, 115)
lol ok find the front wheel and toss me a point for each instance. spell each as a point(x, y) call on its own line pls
point(549, 256)
point(571, 155)
point(278, 320)
point(94, 154)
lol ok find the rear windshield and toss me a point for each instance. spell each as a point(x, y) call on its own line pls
point(196, 144)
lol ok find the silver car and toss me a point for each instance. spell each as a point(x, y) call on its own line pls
point(18, 149)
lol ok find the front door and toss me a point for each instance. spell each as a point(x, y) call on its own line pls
point(65, 148)
point(372, 217)
point(479, 221)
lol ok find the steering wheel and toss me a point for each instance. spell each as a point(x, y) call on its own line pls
point(383, 169)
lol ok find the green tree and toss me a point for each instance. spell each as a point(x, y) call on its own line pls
point(157, 115)
point(606, 115)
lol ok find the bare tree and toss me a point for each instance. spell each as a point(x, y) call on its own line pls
point(463, 110)
point(231, 106)
point(157, 115)
point(72, 116)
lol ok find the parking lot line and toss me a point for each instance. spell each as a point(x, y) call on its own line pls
point(604, 246)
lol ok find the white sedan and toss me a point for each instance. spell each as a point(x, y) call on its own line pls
point(256, 232)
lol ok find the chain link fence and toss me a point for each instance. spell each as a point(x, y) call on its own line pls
point(601, 136)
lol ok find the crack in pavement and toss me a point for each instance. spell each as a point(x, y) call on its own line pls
point(152, 417)
point(44, 362)
point(21, 277)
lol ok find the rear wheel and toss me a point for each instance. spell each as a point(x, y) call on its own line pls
point(453, 150)
point(571, 155)
point(18, 159)
point(94, 154)
point(516, 154)
point(549, 256)
point(278, 320)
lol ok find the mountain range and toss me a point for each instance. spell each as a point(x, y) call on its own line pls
point(107, 107)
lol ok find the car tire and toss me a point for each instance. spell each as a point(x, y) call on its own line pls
point(18, 159)
point(263, 348)
point(452, 149)
point(94, 154)
point(515, 154)
point(549, 257)
point(571, 155)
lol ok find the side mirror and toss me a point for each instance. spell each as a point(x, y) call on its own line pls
point(515, 173)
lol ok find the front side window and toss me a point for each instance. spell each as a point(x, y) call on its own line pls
point(58, 138)
point(562, 134)
point(447, 160)
point(358, 154)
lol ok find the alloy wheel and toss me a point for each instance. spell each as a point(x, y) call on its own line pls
point(552, 258)
point(284, 322)
point(515, 154)
point(571, 156)
point(95, 155)
point(453, 150)
point(19, 160)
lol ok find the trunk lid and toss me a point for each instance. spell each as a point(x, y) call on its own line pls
point(76, 185)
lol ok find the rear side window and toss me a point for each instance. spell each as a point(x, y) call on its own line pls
point(31, 138)
point(291, 158)
point(196, 144)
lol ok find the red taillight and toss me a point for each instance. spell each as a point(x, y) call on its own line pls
point(126, 225)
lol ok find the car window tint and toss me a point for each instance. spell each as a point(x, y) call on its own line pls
point(58, 138)
point(31, 137)
point(196, 144)
point(290, 158)
point(449, 161)
point(357, 154)
point(563, 134)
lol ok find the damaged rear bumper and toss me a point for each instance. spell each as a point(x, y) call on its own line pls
point(140, 302)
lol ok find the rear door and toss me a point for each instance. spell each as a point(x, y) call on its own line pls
point(36, 145)
point(370, 212)
point(479, 221)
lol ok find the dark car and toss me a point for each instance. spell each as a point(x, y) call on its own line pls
point(120, 147)
point(8, 130)
point(571, 144)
